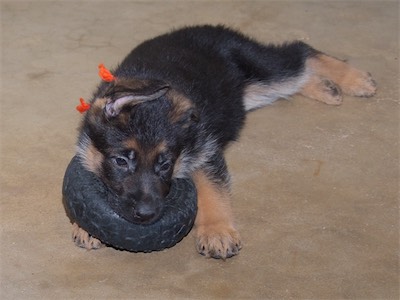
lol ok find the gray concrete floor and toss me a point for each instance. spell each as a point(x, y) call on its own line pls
point(315, 187)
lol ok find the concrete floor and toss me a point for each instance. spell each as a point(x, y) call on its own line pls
point(315, 187)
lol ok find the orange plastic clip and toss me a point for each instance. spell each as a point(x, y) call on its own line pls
point(83, 106)
point(105, 74)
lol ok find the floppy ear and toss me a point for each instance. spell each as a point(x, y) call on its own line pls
point(183, 110)
point(132, 92)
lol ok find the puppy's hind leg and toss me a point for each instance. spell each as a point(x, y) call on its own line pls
point(322, 89)
point(274, 72)
point(330, 77)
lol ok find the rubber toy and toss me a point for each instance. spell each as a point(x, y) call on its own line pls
point(86, 201)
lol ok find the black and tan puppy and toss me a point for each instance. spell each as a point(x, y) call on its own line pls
point(177, 102)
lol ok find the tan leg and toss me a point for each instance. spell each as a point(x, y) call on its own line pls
point(83, 239)
point(330, 75)
point(215, 234)
point(322, 89)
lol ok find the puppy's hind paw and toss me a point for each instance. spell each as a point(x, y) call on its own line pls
point(363, 85)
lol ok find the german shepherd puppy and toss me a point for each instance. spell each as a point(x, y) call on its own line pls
point(177, 102)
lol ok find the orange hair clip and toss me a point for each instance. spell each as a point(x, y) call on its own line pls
point(83, 106)
point(105, 74)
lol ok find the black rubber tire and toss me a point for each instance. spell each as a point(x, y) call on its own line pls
point(85, 202)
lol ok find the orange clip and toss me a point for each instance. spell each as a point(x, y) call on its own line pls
point(83, 106)
point(105, 74)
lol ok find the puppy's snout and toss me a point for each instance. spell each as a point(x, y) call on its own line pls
point(142, 201)
point(145, 213)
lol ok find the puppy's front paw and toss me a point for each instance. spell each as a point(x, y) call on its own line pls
point(217, 241)
point(83, 239)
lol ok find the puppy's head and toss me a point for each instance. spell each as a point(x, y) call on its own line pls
point(131, 137)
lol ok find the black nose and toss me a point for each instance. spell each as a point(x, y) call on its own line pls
point(145, 213)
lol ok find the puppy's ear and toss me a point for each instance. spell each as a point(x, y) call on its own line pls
point(132, 92)
point(183, 110)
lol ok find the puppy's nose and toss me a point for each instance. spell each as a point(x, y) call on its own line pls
point(145, 213)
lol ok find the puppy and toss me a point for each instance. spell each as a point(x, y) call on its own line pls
point(177, 102)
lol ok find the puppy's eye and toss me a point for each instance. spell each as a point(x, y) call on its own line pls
point(120, 161)
point(165, 167)
point(164, 164)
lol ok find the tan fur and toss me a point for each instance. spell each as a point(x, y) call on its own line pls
point(181, 105)
point(84, 240)
point(322, 89)
point(149, 155)
point(132, 144)
point(123, 119)
point(96, 109)
point(153, 154)
point(328, 71)
point(93, 159)
point(214, 230)
point(257, 95)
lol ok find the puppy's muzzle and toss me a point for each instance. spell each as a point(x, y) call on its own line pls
point(146, 212)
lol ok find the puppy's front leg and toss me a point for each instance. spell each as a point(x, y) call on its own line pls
point(214, 231)
point(83, 239)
